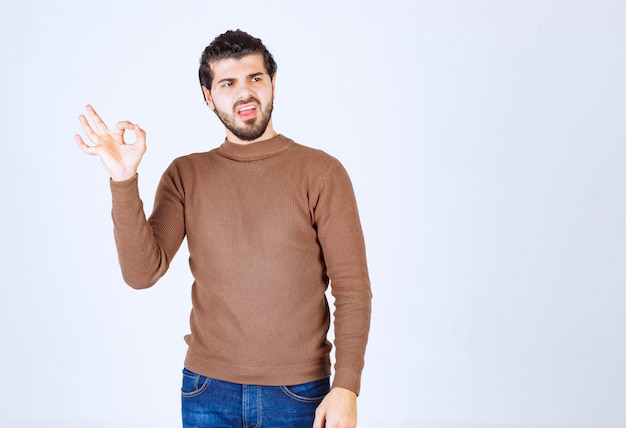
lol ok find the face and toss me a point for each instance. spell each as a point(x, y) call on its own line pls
point(242, 96)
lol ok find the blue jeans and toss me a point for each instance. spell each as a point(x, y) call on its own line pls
point(211, 403)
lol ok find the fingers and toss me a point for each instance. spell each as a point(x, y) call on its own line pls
point(140, 134)
point(140, 137)
point(90, 150)
point(100, 125)
point(320, 418)
point(93, 136)
point(102, 129)
point(121, 127)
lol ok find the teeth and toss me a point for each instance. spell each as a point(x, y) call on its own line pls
point(247, 108)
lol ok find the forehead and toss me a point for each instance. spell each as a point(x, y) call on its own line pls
point(237, 67)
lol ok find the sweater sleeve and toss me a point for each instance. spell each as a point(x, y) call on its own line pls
point(341, 238)
point(146, 246)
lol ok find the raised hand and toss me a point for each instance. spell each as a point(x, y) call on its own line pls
point(119, 158)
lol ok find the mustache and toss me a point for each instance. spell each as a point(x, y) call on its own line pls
point(246, 101)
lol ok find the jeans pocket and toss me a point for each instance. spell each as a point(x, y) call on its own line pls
point(311, 392)
point(193, 384)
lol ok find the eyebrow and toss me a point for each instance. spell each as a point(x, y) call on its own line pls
point(232, 79)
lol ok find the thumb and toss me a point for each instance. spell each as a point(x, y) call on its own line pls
point(140, 136)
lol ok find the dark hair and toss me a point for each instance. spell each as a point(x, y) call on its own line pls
point(233, 44)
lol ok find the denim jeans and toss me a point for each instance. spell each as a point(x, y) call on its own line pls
point(211, 403)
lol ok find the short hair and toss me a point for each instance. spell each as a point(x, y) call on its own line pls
point(233, 44)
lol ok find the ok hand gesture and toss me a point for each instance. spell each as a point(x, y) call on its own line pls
point(119, 158)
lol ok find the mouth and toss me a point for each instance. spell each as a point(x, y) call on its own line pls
point(247, 111)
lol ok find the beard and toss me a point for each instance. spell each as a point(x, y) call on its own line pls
point(251, 129)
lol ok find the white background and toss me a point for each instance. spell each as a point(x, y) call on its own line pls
point(486, 141)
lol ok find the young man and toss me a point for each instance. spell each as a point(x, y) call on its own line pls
point(269, 224)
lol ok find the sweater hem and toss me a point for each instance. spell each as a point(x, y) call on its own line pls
point(265, 375)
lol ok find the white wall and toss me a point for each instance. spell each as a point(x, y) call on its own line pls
point(486, 141)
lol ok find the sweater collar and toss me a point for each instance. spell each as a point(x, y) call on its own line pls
point(253, 151)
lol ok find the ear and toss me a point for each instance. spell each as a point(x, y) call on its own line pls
point(208, 98)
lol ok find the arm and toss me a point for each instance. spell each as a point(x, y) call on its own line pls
point(144, 247)
point(341, 237)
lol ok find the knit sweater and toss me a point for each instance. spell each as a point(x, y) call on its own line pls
point(268, 225)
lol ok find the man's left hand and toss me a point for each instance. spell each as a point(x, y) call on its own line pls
point(337, 409)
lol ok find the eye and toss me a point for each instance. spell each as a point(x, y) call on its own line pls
point(256, 79)
point(225, 83)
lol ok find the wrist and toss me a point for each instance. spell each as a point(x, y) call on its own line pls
point(345, 391)
point(124, 177)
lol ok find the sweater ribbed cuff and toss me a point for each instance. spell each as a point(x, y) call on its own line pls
point(348, 379)
point(126, 190)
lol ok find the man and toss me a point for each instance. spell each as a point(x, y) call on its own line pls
point(269, 224)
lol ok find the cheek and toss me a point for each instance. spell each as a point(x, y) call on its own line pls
point(217, 105)
point(267, 97)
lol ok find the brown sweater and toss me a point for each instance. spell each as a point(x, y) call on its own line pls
point(268, 225)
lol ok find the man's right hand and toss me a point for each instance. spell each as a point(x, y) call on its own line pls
point(119, 158)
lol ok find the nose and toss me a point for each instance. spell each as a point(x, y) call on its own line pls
point(244, 90)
